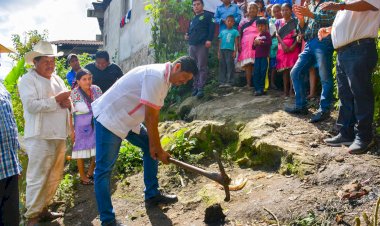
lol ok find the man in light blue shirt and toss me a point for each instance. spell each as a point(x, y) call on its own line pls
point(224, 10)
point(73, 61)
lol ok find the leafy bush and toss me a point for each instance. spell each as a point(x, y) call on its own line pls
point(129, 161)
point(66, 188)
point(181, 147)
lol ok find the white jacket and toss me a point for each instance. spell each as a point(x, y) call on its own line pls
point(35, 105)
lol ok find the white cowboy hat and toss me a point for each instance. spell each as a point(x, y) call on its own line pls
point(4, 49)
point(42, 48)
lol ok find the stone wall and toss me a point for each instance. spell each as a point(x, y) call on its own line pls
point(143, 56)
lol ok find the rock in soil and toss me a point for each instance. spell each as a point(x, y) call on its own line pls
point(214, 214)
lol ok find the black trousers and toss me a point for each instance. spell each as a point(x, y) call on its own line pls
point(9, 202)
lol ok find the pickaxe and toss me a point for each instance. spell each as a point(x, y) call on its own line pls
point(222, 178)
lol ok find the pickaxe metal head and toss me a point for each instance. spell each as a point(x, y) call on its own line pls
point(222, 178)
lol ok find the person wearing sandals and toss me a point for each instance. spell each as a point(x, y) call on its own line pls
point(82, 132)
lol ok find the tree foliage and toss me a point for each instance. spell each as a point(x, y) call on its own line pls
point(24, 44)
point(167, 35)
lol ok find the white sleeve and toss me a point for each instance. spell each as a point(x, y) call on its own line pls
point(153, 91)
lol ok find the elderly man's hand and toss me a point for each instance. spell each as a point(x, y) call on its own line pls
point(62, 96)
point(65, 104)
point(302, 10)
point(330, 6)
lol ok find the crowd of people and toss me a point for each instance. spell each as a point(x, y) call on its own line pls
point(105, 106)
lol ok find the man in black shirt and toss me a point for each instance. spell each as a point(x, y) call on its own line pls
point(104, 73)
point(200, 34)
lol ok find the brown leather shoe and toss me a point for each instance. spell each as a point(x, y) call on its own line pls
point(50, 216)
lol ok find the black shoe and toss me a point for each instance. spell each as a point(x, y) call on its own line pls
point(319, 116)
point(161, 199)
point(195, 92)
point(256, 94)
point(338, 141)
point(296, 110)
point(359, 147)
point(200, 94)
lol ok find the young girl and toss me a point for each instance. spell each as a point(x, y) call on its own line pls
point(276, 15)
point(288, 48)
point(83, 132)
point(248, 31)
point(260, 4)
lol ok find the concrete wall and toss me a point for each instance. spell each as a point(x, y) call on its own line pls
point(111, 30)
point(130, 44)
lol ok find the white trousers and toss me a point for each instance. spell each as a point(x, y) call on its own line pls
point(44, 173)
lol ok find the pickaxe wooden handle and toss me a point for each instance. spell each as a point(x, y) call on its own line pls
point(222, 178)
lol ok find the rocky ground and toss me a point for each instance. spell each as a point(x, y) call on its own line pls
point(291, 174)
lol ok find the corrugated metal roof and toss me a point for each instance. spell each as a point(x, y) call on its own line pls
point(78, 42)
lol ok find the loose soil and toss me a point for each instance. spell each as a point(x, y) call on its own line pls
point(288, 197)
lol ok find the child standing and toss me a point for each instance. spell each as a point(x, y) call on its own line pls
point(261, 45)
point(276, 15)
point(228, 44)
point(224, 10)
point(288, 48)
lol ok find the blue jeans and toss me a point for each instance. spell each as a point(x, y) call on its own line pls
point(320, 52)
point(260, 71)
point(107, 151)
point(354, 70)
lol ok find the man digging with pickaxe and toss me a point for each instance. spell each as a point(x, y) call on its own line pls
point(135, 98)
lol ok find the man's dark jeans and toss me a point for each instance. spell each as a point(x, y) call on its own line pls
point(354, 70)
point(9, 204)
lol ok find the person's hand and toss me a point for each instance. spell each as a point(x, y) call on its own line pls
point(299, 38)
point(323, 33)
point(330, 6)
point(303, 11)
point(62, 96)
point(208, 44)
point(163, 157)
point(285, 48)
point(186, 36)
point(234, 54)
point(257, 42)
point(65, 104)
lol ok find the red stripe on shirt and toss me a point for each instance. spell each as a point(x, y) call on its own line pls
point(135, 109)
point(150, 104)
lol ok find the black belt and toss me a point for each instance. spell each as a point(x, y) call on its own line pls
point(356, 43)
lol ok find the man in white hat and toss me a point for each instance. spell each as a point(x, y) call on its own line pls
point(46, 102)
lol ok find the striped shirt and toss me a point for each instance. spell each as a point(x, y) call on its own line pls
point(9, 163)
point(321, 19)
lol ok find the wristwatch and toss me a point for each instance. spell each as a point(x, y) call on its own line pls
point(342, 6)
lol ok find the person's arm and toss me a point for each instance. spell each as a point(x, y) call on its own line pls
point(72, 130)
point(211, 30)
point(119, 72)
point(217, 16)
point(267, 41)
point(358, 6)
point(237, 15)
point(237, 43)
point(33, 104)
point(151, 123)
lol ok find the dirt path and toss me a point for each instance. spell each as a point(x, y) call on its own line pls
point(289, 198)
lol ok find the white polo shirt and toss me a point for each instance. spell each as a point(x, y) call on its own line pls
point(121, 108)
point(350, 26)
